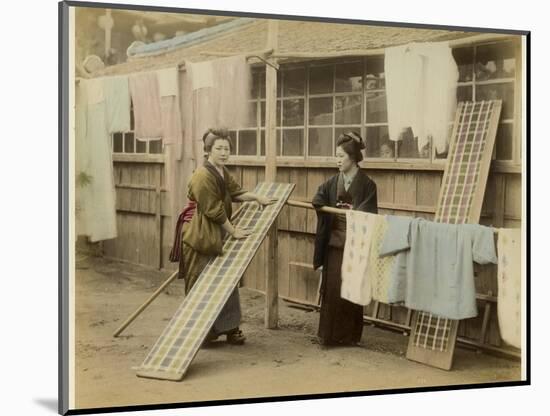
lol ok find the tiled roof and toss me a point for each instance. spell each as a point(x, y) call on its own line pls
point(294, 36)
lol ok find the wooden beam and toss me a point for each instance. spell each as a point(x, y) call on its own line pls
point(272, 285)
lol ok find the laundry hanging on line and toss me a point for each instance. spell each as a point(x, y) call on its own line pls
point(429, 265)
point(509, 278)
point(144, 89)
point(438, 273)
point(95, 190)
point(421, 83)
point(117, 104)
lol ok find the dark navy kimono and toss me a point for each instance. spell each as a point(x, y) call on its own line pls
point(340, 321)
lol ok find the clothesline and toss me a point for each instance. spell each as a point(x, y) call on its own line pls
point(181, 65)
point(332, 210)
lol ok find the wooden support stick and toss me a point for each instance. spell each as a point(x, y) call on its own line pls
point(157, 292)
point(272, 280)
point(330, 210)
point(145, 304)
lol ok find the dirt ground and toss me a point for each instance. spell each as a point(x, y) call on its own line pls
point(286, 361)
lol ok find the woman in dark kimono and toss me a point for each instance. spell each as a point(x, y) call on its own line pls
point(340, 321)
point(213, 189)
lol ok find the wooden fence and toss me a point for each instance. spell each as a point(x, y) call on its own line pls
point(145, 237)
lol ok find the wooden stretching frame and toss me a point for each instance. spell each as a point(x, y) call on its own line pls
point(433, 338)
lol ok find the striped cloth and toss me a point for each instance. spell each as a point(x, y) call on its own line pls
point(459, 187)
point(180, 341)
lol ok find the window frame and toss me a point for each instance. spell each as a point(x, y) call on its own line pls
point(305, 160)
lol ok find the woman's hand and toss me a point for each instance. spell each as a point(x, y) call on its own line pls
point(263, 200)
point(240, 233)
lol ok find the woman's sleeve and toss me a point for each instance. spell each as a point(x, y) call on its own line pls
point(370, 204)
point(234, 188)
point(321, 199)
point(205, 192)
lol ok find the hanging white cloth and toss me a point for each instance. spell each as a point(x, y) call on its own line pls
point(82, 160)
point(117, 104)
point(202, 75)
point(403, 73)
point(509, 285)
point(96, 195)
point(168, 81)
point(440, 78)
point(172, 131)
point(421, 82)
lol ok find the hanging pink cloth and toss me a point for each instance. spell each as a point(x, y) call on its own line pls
point(144, 89)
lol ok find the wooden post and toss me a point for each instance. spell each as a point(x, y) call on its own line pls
point(272, 284)
point(158, 213)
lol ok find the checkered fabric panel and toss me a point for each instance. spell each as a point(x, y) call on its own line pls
point(459, 187)
point(465, 156)
point(432, 332)
point(175, 349)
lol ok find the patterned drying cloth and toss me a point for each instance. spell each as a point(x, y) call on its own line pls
point(379, 268)
point(355, 283)
point(509, 285)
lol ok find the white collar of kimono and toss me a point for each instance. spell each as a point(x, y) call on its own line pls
point(348, 178)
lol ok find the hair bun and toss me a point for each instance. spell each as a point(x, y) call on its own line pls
point(357, 138)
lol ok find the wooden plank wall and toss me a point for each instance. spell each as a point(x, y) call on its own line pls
point(143, 224)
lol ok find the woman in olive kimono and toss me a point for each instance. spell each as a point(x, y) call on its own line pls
point(340, 321)
point(213, 189)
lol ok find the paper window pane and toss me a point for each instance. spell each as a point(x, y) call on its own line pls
point(495, 61)
point(117, 143)
point(321, 79)
point(129, 143)
point(407, 147)
point(349, 77)
point(293, 112)
point(141, 147)
point(464, 58)
point(348, 109)
point(247, 143)
point(320, 142)
point(293, 142)
point(320, 111)
point(375, 73)
point(504, 141)
point(155, 146)
point(464, 93)
point(233, 141)
point(294, 82)
point(377, 108)
point(378, 143)
point(504, 92)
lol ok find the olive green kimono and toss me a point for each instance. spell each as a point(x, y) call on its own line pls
point(203, 235)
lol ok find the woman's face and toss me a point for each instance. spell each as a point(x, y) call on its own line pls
point(343, 160)
point(220, 152)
